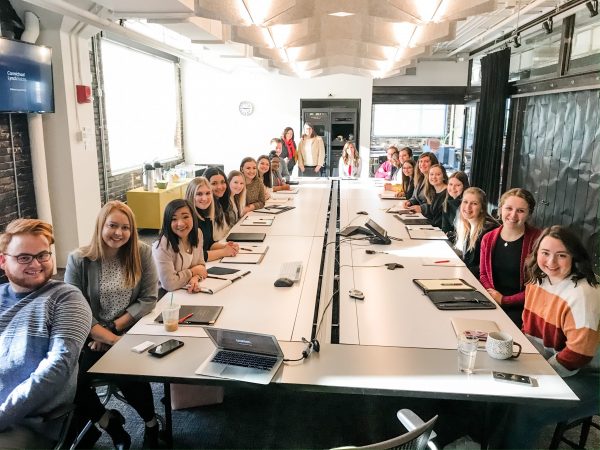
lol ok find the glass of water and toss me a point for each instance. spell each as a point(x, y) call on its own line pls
point(467, 352)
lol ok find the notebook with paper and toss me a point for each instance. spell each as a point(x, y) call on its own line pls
point(242, 356)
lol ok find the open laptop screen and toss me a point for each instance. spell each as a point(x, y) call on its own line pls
point(244, 341)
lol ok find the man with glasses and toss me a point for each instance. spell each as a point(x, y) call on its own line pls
point(43, 326)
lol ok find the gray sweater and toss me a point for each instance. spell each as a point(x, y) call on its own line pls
point(85, 274)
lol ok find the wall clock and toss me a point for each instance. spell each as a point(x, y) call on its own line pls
point(246, 108)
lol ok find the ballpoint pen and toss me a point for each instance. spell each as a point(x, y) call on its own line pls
point(442, 261)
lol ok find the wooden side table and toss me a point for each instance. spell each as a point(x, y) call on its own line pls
point(149, 206)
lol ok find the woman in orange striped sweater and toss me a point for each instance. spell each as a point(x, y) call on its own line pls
point(561, 318)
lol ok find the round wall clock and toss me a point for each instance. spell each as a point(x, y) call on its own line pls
point(246, 108)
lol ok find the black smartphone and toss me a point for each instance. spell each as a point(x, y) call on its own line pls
point(512, 378)
point(165, 348)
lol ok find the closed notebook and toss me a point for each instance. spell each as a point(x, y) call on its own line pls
point(453, 294)
point(200, 314)
point(476, 327)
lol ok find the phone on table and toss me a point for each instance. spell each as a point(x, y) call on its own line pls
point(165, 348)
point(512, 378)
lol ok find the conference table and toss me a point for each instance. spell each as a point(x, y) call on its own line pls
point(394, 342)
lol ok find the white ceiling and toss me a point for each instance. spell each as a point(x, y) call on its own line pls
point(379, 38)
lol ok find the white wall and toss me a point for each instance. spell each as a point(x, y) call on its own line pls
point(215, 131)
point(431, 73)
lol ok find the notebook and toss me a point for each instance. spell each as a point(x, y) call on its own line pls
point(247, 255)
point(389, 195)
point(201, 315)
point(453, 294)
point(257, 221)
point(246, 237)
point(425, 232)
point(275, 209)
point(477, 327)
point(242, 356)
point(413, 219)
point(226, 273)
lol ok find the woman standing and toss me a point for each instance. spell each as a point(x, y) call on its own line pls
point(237, 187)
point(349, 165)
point(199, 193)
point(224, 217)
point(255, 189)
point(289, 148)
point(178, 253)
point(116, 275)
point(263, 164)
point(561, 319)
point(472, 224)
point(504, 250)
point(457, 183)
point(425, 161)
point(311, 152)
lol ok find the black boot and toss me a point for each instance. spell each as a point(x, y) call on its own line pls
point(151, 436)
point(120, 438)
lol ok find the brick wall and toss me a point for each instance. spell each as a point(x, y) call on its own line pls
point(117, 186)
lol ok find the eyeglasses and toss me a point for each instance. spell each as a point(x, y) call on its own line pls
point(26, 258)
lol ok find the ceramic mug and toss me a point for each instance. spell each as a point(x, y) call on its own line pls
point(500, 346)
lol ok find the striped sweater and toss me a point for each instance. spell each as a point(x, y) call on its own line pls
point(562, 321)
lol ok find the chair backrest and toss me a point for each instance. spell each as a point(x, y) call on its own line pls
point(416, 439)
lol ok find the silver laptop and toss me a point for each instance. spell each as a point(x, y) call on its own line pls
point(242, 356)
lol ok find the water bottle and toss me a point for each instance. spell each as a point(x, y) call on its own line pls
point(148, 177)
point(158, 171)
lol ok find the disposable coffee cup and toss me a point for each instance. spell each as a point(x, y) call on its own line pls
point(171, 317)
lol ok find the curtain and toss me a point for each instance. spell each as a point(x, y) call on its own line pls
point(487, 144)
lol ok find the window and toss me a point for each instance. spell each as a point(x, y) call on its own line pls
point(409, 120)
point(141, 98)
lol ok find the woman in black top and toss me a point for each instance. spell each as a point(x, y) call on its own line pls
point(408, 178)
point(434, 195)
point(199, 194)
point(425, 161)
point(224, 216)
point(471, 225)
point(457, 183)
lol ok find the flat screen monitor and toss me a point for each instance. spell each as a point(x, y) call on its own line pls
point(25, 77)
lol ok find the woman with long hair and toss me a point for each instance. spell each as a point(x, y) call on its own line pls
point(116, 275)
point(425, 161)
point(504, 250)
point(457, 183)
point(408, 178)
point(561, 318)
point(178, 253)
point(311, 152)
point(224, 218)
point(199, 194)
point(289, 148)
point(237, 187)
point(255, 188)
point(263, 164)
point(471, 224)
point(435, 195)
point(349, 164)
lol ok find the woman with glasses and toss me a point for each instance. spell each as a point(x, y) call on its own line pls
point(117, 276)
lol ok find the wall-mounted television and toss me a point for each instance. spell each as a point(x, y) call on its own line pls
point(26, 84)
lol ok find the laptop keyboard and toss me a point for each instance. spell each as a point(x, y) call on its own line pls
point(245, 360)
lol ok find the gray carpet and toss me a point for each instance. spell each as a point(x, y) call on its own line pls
point(272, 417)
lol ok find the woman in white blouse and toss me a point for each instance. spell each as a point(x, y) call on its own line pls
point(349, 166)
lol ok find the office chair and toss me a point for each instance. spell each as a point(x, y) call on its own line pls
point(417, 438)
point(562, 427)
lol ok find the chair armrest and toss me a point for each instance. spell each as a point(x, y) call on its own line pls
point(410, 420)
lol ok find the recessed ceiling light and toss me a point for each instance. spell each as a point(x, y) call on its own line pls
point(341, 14)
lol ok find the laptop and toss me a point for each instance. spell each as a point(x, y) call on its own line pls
point(242, 356)
point(246, 237)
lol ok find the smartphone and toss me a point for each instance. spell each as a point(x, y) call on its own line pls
point(165, 348)
point(512, 378)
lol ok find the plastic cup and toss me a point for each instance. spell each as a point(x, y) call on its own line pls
point(467, 352)
point(171, 317)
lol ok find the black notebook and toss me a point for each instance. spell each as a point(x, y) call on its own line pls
point(201, 315)
point(453, 294)
point(246, 237)
point(407, 220)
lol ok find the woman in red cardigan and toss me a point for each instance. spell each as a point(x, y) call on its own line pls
point(503, 253)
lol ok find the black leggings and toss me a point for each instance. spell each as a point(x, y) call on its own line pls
point(137, 393)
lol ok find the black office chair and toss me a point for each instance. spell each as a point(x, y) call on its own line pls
point(562, 427)
point(418, 437)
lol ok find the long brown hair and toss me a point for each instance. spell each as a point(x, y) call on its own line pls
point(419, 176)
point(345, 154)
point(128, 254)
point(467, 235)
point(581, 267)
point(429, 189)
point(238, 199)
point(464, 179)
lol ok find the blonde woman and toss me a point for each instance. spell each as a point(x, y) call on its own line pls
point(349, 165)
point(471, 224)
point(199, 194)
point(237, 187)
point(117, 276)
point(255, 188)
point(311, 152)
